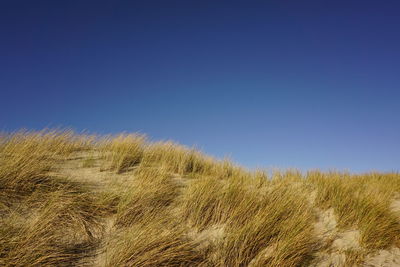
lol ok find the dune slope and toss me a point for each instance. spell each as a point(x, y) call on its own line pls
point(68, 199)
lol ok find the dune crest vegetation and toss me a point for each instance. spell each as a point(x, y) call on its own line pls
point(70, 199)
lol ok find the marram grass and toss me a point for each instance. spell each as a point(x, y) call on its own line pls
point(70, 199)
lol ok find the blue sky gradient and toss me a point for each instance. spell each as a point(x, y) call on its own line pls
point(305, 84)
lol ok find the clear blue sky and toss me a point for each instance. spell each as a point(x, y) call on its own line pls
point(306, 84)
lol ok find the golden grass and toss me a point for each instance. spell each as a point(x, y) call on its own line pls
point(61, 227)
point(123, 151)
point(26, 158)
point(151, 192)
point(154, 242)
point(167, 205)
point(362, 202)
point(279, 220)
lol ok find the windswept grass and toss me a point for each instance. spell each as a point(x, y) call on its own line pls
point(154, 242)
point(26, 158)
point(362, 202)
point(130, 202)
point(279, 220)
point(185, 161)
point(61, 227)
point(45, 220)
point(123, 151)
point(151, 192)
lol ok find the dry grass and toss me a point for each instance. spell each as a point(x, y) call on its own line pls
point(167, 205)
point(362, 202)
point(151, 192)
point(154, 242)
point(280, 224)
point(123, 151)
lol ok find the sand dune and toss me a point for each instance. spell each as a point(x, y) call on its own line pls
point(78, 200)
